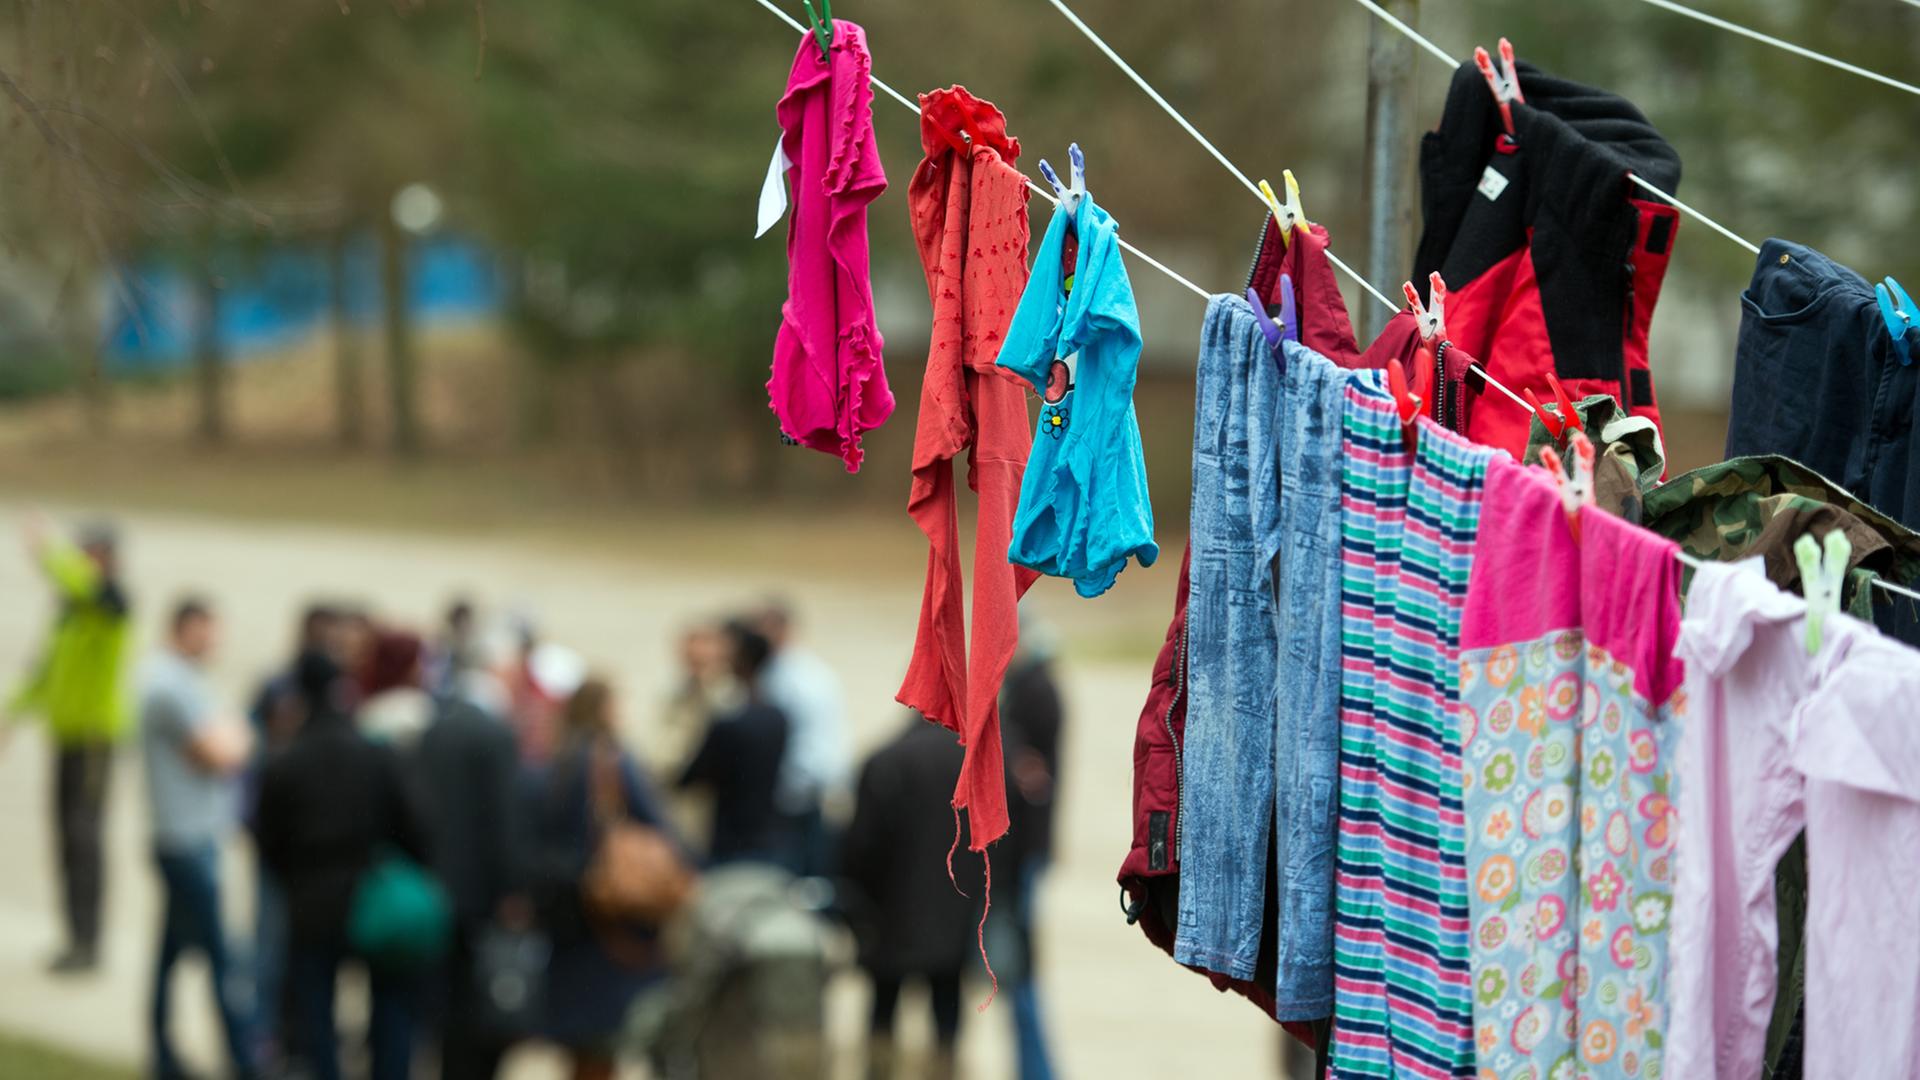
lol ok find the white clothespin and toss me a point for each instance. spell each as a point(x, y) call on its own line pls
point(1504, 82)
point(1576, 490)
point(1287, 215)
point(1432, 319)
point(1069, 194)
point(1821, 580)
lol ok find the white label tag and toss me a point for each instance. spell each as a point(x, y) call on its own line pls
point(1492, 184)
point(773, 193)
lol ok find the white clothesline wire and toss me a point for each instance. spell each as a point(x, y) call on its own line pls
point(1788, 46)
point(1418, 39)
point(1698, 216)
point(1204, 142)
point(1042, 192)
point(1202, 293)
point(1415, 36)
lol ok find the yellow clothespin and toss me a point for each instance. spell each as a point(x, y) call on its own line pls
point(1287, 215)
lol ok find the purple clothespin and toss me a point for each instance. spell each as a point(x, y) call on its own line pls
point(1267, 326)
point(1289, 316)
point(1285, 329)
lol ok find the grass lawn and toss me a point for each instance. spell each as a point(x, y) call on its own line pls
point(26, 1057)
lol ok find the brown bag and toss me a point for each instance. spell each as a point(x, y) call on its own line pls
point(637, 874)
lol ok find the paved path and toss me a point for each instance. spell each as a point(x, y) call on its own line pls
point(1118, 1008)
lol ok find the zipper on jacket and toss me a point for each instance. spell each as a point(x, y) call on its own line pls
point(1626, 335)
point(1179, 766)
point(1259, 246)
point(1440, 410)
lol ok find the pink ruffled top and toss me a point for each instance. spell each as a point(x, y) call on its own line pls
point(829, 384)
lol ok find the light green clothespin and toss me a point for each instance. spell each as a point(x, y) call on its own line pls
point(1821, 580)
point(822, 27)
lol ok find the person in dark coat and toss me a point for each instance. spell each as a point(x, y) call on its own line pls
point(911, 920)
point(329, 802)
point(465, 769)
point(597, 969)
point(739, 761)
point(1031, 718)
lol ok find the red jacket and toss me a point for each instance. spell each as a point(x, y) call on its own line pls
point(969, 215)
point(1553, 260)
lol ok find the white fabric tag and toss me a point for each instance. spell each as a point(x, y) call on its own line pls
point(773, 193)
point(1492, 184)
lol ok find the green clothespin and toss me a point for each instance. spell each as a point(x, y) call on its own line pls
point(822, 28)
point(1821, 581)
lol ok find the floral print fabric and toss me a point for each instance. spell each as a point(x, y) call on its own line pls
point(1570, 846)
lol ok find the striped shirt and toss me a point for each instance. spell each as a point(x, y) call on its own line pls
point(1403, 995)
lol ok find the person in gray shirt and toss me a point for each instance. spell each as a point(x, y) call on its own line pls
point(192, 755)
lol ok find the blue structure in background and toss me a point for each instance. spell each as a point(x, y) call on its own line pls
point(276, 299)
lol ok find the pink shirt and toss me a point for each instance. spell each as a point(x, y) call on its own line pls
point(1777, 741)
point(829, 385)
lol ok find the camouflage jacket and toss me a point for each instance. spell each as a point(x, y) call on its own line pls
point(1745, 508)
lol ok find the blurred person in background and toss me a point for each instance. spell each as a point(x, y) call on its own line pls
point(705, 688)
point(465, 769)
point(539, 679)
point(277, 708)
point(1031, 718)
point(78, 688)
point(598, 968)
point(278, 711)
point(192, 756)
point(354, 635)
point(329, 803)
point(819, 756)
point(456, 651)
point(739, 763)
point(395, 707)
point(911, 920)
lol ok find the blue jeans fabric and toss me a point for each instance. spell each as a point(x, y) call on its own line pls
point(1307, 743)
point(190, 880)
point(269, 956)
point(1226, 810)
point(314, 972)
point(1818, 378)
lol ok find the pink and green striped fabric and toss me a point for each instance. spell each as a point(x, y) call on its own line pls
point(1403, 993)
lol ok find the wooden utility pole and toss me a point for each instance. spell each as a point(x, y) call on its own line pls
point(1392, 155)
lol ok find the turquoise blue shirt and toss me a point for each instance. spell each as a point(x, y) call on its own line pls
point(1084, 508)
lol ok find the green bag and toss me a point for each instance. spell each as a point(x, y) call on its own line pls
point(400, 919)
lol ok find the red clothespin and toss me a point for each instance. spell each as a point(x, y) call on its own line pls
point(1406, 403)
point(1576, 490)
point(1568, 418)
point(1504, 82)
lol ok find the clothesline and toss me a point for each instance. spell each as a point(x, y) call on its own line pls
point(1418, 39)
point(1174, 275)
point(903, 99)
point(1788, 46)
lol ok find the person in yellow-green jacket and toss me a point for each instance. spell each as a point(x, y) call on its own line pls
point(78, 687)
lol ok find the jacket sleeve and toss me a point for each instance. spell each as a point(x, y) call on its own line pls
point(709, 761)
point(74, 576)
point(270, 817)
point(864, 848)
point(406, 824)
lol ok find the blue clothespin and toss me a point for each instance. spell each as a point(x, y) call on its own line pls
point(1901, 315)
point(1068, 194)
